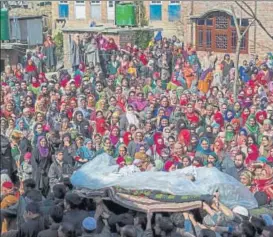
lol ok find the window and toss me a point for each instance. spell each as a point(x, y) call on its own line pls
point(95, 10)
point(234, 41)
point(217, 32)
point(155, 11)
point(174, 2)
point(79, 9)
point(174, 11)
point(111, 3)
point(63, 9)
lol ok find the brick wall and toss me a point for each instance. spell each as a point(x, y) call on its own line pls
point(72, 22)
point(264, 13)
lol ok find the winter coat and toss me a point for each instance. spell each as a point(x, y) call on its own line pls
point(76, 217)
point(58, 172)
point(5, 160)
point(51, 232)
point(41, 167)
point(25, 171)
point(32, 226)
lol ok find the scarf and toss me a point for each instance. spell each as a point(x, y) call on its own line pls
point(200, 148)
point(114, 139)
point(132, 118)
point(44, 151)
point(229, 135)
point(158, 147)
point(252, 129)
point(126, 138)
point(228, 119)
point(253, 155)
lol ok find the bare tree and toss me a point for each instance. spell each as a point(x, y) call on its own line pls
point(248, 10)
point(240, 36)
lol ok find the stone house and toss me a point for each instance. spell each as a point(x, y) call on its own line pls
point(208, 25)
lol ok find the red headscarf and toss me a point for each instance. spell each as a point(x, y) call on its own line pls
point(218, 118)
point(265, 184)
point(258, 114)
point(244, 117)
point(126, 138)
point(184, 137)
point(168, 165)
point(120, 161)
point(100, 126)
point(158, 147)
point(253, 155)
point(31, 67)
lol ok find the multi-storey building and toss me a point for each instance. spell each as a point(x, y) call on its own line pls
point(208, 25)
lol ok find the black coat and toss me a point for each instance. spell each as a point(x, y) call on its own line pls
point(51, 232)
point(41, 167)
point(6, 161)
point(32, 227)
point(75, 217)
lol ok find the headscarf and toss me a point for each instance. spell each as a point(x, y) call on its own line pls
point(161, 127)
point(158, 147)
point(114, 139)
point(253, 155)
point(265, 184)
point(132, 118)
point(258, 114)
point(200, 148)
point(228, 119)
point(168, 164)
point(126, 138)
point(252, 129)
point(184, 137)
point(229, 135)
point(44, 151)
point(248, 175)
point(26, 126)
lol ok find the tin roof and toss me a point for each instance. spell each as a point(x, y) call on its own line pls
point(113, 30)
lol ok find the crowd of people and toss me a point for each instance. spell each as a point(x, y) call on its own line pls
point(161, 108)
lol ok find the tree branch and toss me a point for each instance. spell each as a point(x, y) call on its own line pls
point(247, 28)
point(241, 7)
point(252, 14)
point(249, 8)
point(235, 22)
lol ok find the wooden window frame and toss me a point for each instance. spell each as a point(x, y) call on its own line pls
point(214, 32)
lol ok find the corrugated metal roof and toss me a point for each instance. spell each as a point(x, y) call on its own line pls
point(113, 30)
point(9, 46)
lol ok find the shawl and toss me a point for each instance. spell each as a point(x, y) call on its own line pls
point(184, 137)
point(244, 117)
point(200, 148)
point(26, 126)
point(132, 118)
point(30, 68)
point(126, 138)
point(44, 151)
point(85, 153)
point(229, 135)
point(261, 113)
point(253, 155)
point(218, 118)
point(158, 147)
point(228, 119)
point(252, 129)
point(139, 104)
point(265, 184)
point(100, 126)
point(114, 139)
